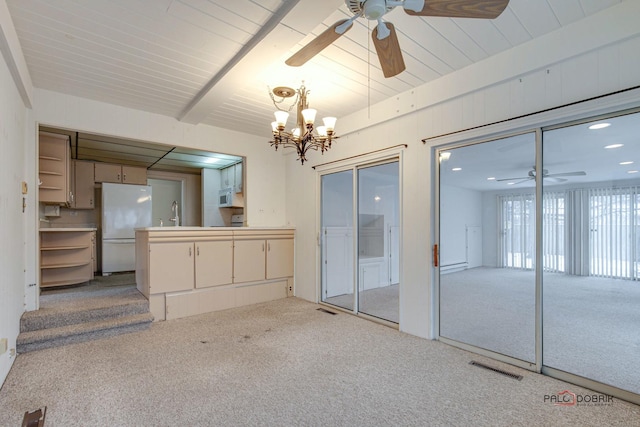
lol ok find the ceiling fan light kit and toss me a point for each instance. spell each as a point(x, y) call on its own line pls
point(385, 39)
point(302, 137)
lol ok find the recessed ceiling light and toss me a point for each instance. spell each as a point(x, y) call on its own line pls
point(626, 163)
point(491, 178)
point(456, 169)
point(613, 146)
point(211, 160)
point(599, 126)
point(632, 171)
point(510, 183)
point(445, 155)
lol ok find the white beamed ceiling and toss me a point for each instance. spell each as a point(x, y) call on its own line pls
point(180, 58)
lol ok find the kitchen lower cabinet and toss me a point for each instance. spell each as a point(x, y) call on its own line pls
point(279, 258)
point(262, 259)
point(171, 267)
point(248, 260)
point(214, 263)
point(184, 271)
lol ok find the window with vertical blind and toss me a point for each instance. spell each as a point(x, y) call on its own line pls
point(593, 231)
point(518, 231)
point(614, 218)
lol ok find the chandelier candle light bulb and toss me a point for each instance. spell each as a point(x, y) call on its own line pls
point(302, 137)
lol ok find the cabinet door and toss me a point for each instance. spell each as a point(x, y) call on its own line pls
point(171, 267)
point(107, 172)
point(214, 263)
point(248, 260)
point(225, 178)
point(84, 186)
point(279, 258)
point(237, 172)
point(134, 175)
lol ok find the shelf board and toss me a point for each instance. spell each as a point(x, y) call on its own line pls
point(63, 248)
point(50, 173)
point(64, 282)
point(46, 187)
point(67, 265)
point(50, 158)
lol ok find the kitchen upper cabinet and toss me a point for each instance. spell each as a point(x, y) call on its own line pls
point(123, 174)
point(54, 186)
point(83, 185)
point(231, 177)
point(214, 263)
point(171, 267)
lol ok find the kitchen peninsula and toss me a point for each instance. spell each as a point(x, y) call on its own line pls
point(184, 271)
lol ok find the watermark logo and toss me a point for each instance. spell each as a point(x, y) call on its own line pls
point(568, 398)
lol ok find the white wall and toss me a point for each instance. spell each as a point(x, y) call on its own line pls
point(566, 66)
point(459, 208)
point(13, 128)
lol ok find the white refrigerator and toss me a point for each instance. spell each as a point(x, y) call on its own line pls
point(124, 208)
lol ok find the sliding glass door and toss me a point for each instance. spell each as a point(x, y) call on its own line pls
point(337, 239)
point(539, 244)
point(378, 248)
point(487, 246)
point(591, 315)
point(361, 272)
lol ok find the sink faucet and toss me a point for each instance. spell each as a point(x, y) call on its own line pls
point(174, 210)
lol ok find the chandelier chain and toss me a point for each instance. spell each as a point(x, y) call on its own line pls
point(275, 103)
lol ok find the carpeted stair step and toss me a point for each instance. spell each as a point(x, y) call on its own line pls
point(80, 332)
point(91, 306)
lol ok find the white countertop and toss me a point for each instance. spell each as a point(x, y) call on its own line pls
point(181, 228)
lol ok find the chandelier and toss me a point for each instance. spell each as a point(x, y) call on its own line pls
point(302, 137)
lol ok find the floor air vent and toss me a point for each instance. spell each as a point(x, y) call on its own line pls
point(326, 311)
point(500, 371)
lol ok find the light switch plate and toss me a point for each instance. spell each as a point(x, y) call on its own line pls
point(3, 346)
point(25, 188)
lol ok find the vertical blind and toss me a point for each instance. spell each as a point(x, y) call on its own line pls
point(614, 215)
point(592, 231)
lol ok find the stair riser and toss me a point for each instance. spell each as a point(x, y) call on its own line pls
point(103, 313)
point(82, 337)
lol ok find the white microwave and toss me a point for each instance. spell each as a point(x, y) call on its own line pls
point(230, 199)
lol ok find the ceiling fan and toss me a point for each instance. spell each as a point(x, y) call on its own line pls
point(384, 34)
point(553, 177)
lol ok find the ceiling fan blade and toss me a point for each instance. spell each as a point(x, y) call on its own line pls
point(389, 52)
point(511, 179)
point(554, 179)
point(576, 173)
point(486, 9)
point(523, 180)
point(316, 45)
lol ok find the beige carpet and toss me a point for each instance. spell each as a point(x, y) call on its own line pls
point(283, 363)
point(590, 325)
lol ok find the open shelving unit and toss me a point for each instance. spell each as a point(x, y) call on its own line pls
point(66, 256)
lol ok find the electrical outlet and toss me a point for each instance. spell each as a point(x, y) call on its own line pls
point(3, 345)
point(12, 352)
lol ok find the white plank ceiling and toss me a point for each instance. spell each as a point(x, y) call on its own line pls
point(212, 61)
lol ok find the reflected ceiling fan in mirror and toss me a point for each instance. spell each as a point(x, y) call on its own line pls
point(552, 177)
point(384, 34)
